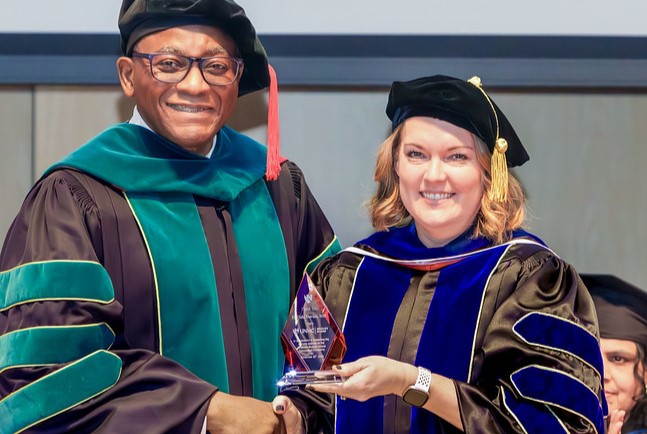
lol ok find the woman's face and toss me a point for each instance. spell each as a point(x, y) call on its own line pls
point(440, 178)
point(620, 383)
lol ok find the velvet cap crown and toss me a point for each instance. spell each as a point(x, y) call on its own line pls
point(458, 102)
point(621, 307)
point(139, 18)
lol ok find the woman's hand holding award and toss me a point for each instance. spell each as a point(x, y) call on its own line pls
point(311, 339)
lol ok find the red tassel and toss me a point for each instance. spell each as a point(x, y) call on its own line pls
point(273, 167)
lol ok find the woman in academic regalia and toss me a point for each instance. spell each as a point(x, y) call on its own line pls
point(622, 313)
point(455, 318)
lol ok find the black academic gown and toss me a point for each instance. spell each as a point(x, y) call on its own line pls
point(70, 215)
point(636, 420)
point(513, 326)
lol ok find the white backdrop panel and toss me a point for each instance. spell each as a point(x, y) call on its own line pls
point(467, 17)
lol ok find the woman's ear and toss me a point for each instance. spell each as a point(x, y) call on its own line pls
point(126, 72)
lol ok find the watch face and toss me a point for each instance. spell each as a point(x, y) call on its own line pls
point(415, 397)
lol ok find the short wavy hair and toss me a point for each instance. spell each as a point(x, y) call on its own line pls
point(494, 221)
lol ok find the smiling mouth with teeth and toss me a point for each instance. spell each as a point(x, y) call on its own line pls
point(437, 196)
point(186, 109)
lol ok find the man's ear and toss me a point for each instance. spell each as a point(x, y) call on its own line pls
point(126, 71)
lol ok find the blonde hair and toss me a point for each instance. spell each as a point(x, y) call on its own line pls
point(494, 221)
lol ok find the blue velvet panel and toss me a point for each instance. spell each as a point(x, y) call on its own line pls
point(450, 328)
point(451, 323)
point(454, 313)
point(379, 289)
point(561, 390)
point(561, 335)
point(534, 418)
point(403, 243)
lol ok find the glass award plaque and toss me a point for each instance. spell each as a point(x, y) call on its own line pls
point(311, 339)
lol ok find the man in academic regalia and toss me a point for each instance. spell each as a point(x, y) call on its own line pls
point(146, 278)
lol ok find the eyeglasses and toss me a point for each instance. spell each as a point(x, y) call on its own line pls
point(173, 68)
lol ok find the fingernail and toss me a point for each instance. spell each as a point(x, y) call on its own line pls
point(337, 367)
point(280, 408)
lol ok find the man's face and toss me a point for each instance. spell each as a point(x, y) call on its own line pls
point(189, 113)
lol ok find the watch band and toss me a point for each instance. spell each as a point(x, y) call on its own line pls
point(424, 380)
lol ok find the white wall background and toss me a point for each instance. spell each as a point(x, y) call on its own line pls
point(502, 17)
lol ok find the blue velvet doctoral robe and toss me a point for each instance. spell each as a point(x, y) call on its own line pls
point(512, 325)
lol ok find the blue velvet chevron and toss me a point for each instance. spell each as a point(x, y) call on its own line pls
point(559, 389)
point(559, 334)
point(536, 419)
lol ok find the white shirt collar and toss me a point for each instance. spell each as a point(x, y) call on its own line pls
point(137, 119)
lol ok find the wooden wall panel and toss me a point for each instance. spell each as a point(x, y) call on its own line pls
point(66, 117)
point(587, 175)
point(15, 151)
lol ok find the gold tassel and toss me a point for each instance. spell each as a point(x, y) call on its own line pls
point(499, 168)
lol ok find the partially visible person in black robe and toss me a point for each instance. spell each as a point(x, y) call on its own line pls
point(146, 278)
point(456, 319)
point(622, 313)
